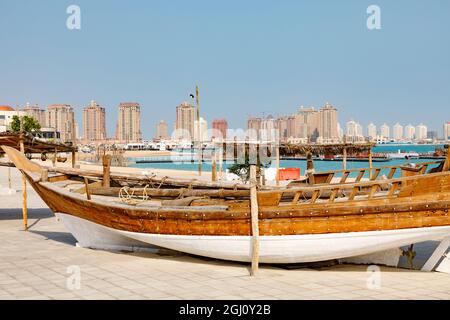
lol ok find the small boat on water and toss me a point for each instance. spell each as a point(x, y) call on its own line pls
point(353, 219)
point(403, 155)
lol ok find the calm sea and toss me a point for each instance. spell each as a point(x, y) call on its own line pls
point(319, 165)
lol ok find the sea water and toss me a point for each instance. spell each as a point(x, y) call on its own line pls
point(319, 166)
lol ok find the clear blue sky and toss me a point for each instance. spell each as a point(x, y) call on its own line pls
point(248, 57)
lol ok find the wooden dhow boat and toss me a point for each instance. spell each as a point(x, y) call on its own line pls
point(355, 219)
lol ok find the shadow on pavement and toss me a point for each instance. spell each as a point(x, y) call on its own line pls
point(63, 237)
point(16, 213)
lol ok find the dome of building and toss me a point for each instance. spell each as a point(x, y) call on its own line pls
point(6, 108)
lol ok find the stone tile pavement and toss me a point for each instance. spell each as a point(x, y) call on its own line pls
point(43, 263)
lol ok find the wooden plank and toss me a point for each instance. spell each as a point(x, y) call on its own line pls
point(375, 174)
point(333, 195)
point(73, 158)
point(344, 177)
point(44, 176)
point(394, 188)
point(329, 178)
point(360, 175)
point(373, 190)
point(315, 195)
point(57, 178)
point(254, 221)
point(353, 193)
point(86, 186)
point(24, 187)
point(106, 160)
point(297, 197)
point(391, 173)
point(213, 170)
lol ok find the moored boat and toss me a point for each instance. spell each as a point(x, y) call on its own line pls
point(295, 224)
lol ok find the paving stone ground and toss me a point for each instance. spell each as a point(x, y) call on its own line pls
point(43, 262)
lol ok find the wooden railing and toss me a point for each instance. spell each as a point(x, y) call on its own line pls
point(326, 177)
point(330, 192)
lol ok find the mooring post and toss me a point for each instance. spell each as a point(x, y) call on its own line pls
point(254, 221)
point(73, 158)
point(106, 170)
point(54, 157)
point(213, 168)
point(86, 185)
point(344, 159)
point(277, 174)
point(24, 189)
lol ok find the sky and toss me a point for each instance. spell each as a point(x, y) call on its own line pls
point(248, 58)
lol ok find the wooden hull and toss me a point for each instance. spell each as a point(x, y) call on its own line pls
point(303, 229)
point(273, 249)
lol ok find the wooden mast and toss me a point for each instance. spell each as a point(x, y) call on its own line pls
point(370, 164)
point(198, 134)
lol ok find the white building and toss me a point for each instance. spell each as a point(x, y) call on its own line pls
point(410, 132)
point(385, 131)
point(354, 132)
point(203, 130)
point(6, 117)
point(372, 131)
point(397, 131)
point(421, 132)
point(447, 131)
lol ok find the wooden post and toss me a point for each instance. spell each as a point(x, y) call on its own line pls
point(263, 176)
point(221, 164)
point(86, 185)
point(254, 221)
point(44, 175)
point(370, 164)
point(54, 157)
point(277, 174)
point(73, 158)
point(200, 144)
point(447, 161)
point(24, 189)
point(344, 159)
point(213, 169)
point(106, 159)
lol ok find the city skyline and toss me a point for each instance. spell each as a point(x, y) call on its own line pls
point(266, 61)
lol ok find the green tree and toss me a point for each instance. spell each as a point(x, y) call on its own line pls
point(242, 170)
point(30, 124)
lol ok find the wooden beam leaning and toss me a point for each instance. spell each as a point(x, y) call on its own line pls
point(254, 221)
